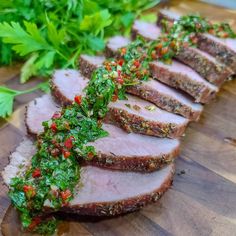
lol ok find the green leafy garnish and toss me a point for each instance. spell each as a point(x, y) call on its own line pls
point(7, 96)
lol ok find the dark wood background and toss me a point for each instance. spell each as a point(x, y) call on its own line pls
point(202, 200)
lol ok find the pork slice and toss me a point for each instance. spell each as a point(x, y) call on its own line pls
point(183, 77)
point(66, 84)
point(90, 63)
point(39, 110)
point(203, 63)
point(165, 14)
point(167, 98)
point(163, 96)
point(139, 116)
point(165, 124)
point(100, 191)
point(120, 150)
point(224, 50)
point(147, 30)
point(114, 44)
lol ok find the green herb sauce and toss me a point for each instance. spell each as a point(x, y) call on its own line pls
point(55, 172)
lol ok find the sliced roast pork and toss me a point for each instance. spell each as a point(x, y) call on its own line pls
point(120, 150)
point(114, 44)
point(147, 30)
point(66, 84)
point(223, 50)
point(203, 63)
point(100, 191)
point(161, 95)
point(136, 117)
point(183, 77)
point(90, 63)
point(39, 110)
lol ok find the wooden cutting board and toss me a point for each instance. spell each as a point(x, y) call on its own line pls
point(202, 200)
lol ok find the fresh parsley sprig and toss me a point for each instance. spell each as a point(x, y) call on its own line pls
point(8, 95)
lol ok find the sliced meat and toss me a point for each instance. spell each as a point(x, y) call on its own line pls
point(147, 30)
point(203, 63)
point(167, 98)
point(19, 161)
point(90, 63)
point(165, 14)
point(66, 84)
point(120, 150)
point(223, 50)
point(114, 44)
point(109, 193)
point(139, 116)
point(183, 77)
point(102, 192)
point(39, 110)
point(164, 124)
point(163, 96)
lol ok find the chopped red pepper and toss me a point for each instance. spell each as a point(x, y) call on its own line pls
point(56, 115)
point(66, 194)
point(114, 97)
point(90, 156)
point(158, 46)
point(35, 221)
point(53, 127)
point(120, 62)
point(164, 51)
point(69, 142)
point(66, 154)
point(136, 63)
point(36, 173)
point(123, 51)
point(78, 99)
point(29, 191)
point(225, 35)
point(120, 80)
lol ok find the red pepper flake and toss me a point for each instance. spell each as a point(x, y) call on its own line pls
point(55, 152)
point(120, 80)
point(29, 191)
point(36, 173)
point(114, 97)
point(225, 35)
point(66, 153)
point(53, 127)
point(211, 31)
point(90, 156)
point(56, 115)
point(164, 50)
point(136, 63)
point(65, 195)
point(158, 46)
point(35, 221)
point(120, 62)
point(69, 142)
point(123, 51)
point(78, 99)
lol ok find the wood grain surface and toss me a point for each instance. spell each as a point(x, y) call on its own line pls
point(202, 200)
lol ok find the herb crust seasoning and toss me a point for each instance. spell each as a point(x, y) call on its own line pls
point(54, 171)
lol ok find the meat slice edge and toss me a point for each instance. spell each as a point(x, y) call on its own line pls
point(120, 150)
point(102, 192)
point(182, 77)
point(204, 64)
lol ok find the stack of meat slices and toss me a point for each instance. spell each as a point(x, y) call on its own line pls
point(134, 164)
